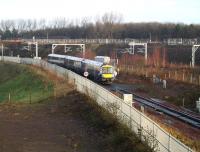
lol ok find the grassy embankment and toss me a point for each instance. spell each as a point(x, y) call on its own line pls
point(22, 84)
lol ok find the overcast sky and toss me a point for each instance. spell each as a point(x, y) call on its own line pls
point(184, 11)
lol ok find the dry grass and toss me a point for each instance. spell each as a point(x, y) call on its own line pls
point(193, 143)
point(118, 137)
point(61, 84)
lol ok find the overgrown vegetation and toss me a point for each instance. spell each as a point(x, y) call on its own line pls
point(116, 136)
point(186, 99)
point(192, 143)
point(20, 84)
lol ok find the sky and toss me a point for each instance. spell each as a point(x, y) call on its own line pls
point(177, 11)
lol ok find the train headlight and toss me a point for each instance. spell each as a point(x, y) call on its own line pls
point(115, 73)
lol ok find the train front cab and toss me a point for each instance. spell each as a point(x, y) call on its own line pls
point(107, 75)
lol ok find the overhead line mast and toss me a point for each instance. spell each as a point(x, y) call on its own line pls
point(81, 45)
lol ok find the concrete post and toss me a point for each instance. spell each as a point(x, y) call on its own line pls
point(36, 49)
point(164, 84)
point(2, 51)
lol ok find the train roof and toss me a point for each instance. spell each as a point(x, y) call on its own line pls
point(86, 61)
point(73, 58)
point(92, 62)
point(57, 55)
point(102, 57)
point(66, 57)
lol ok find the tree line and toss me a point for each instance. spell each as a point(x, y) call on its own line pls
point(109, 25)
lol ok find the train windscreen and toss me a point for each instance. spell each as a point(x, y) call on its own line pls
point(106, 70)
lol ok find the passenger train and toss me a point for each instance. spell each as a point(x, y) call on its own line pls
point(97, 71)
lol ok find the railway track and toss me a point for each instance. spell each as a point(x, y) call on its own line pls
point(179, 114)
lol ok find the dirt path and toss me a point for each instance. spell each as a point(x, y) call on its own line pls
point(45, 127)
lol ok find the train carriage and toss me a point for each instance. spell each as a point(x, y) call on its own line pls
point(97, 71)
point(56, 59)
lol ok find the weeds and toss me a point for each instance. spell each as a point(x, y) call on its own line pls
point(119, 135)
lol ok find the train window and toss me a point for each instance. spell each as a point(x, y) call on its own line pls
point(71, 62)
point(104, 70)
point(107, 70)
point(110, 70)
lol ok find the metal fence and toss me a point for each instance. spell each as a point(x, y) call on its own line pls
point(170, 41)
point(173, 74)
point(180, 41)
point(88, 41)
point(139, 123)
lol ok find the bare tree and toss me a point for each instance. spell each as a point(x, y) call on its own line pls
point(7, 25)
point(59, 22)
point(108, 25)
point(21, 25)
point(109, 20)
point(42, 24)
